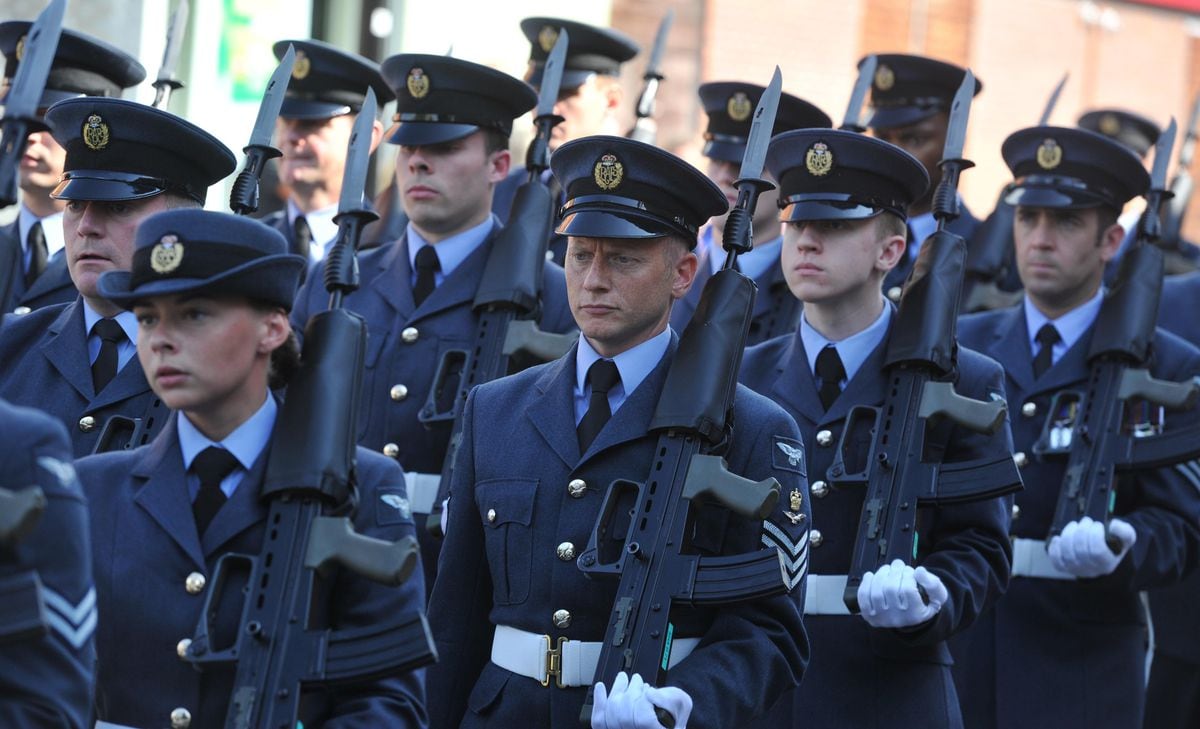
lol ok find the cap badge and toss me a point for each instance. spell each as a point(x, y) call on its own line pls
point(301, 66)
point(819, 159)
point(1049, 154)
point(167, 254)
point(418, 83)
point(608, 172)
point(95, 133)
point(739, 107)
point(20, 51)
point(885, 78)
point(547, 37)
point(795, 500)
point(1110, 125)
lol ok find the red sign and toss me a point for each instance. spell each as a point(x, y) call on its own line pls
point(1187, 6)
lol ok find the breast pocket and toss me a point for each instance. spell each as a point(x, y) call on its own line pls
point(506, 511)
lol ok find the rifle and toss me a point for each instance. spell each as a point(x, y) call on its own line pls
point(1092, 427)
point(22, 613)
point(310, 474)
point(653, 559)
point(243, 198)
point(920, 366)
point(1171, 234)
point(167, 82)
point(990, 257)
point(508, 295)
point(852, 121)
point(644, 128)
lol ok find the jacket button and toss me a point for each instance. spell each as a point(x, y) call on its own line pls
point(491, 515)
point(1016, 512)
point(562, 619)
point(23, 310)
point(87, 424)
point(182, 646)
point(391, 450)
point(577, 488)
point(819, 489)
point(194, 583)
point(824, 437)
point(566, 551)
point(181, 718)
point(1020, 459)
point(815, 537)
point(409, 335)
point(398, 392)
point(1029, 409)
point(894, 293)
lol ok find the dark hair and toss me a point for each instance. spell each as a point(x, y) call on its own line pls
point(494, 140)
point(889, 224)
point(285, 359)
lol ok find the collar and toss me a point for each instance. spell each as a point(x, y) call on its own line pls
point(755, 263)
point(854, 349)
point(320, 222)
point(633, 364)
point(246, 442)
point(922, 226)
point(52, 229)
point(453, 250)
point(1070, 326)
point(126, 319)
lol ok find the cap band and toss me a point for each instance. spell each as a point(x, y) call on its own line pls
point(605, 201)
point(217, 258)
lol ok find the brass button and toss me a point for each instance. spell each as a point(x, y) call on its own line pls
point(182, 646)
point(391, 450)
point(819, 489)
point(1029, 409)
point(815, 537)
point(824, 437)
point(87, 423)
point(894, 293)
point(1020, 459)
point(562, 619)
point(491, 516)
point(566, 551)
point(181, 718)
point(398, 392)
point(194, 583)
point(1016, 512)
point(409, 335)
point(577, 488)
point(22, 310)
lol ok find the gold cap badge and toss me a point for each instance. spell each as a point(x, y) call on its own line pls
point(95, 133)
point(418, 83)
point(885, 78)
point(608, 172)
point(301, 66)
point(795, 500)
point(1110, 124)
point(167, 254)
point(20, 50)
point(1049, 154)
point(739, 107)
point(547, 37)
point(819, 159)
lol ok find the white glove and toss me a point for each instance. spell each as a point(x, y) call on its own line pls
point(1081, 549)
point(889, 597)
point(630, 704)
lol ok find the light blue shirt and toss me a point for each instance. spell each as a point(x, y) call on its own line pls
point(1070, 326)
point(853, 350)
point(320, 223)
point(633, 364)
point(451, 251)
point(52, 230)
point(753, 264)
point(922, 226)
point(125, 350)
point(246, 442)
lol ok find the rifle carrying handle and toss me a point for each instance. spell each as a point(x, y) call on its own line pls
point(708, 477)
point(333, 540)
point(1174, 395)
point(19, 512)
point(939, 398)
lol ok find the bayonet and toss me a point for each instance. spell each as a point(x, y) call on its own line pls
point(945, 197)
point(1162, 158)
point(358, 157)
point(243, 199)
point(644, 128)
point(852, 122)
point(761, 129)
point(167, 82)
point(739, 233)
point(1053, 100)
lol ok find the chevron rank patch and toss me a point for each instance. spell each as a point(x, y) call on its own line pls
point(1190, 470)
point(394, 507)
point(793, 551)
point(74, 622)
point(788, 455)
point(63, 471)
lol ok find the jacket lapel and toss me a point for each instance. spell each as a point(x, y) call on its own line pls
point(552, 413)
point(129, 382)
point(460, 286)
point(632, 419)
point(795, 385)
point(868, 384)
point(1010, 347)
point(66, 348)
point(162, 491)
point(1071, 369)
point(243, 510)
point(393, 281)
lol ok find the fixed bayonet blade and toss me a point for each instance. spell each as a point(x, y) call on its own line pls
point(654, 68)
point(268, 110)
point(866, 74)
point(358, 156)
point(1053, 100)
point(170, 61)
point(552, 74)
point(960, 111)
point(1162, 157)
point(41, 43)
point(761, 129)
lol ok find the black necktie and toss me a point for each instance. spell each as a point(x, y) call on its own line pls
point(831, 372)
point(303, 237)
point(36, 240)
point(602, 376)
point(427, 266)
point(105, 367)
point(212, 465)
point(1047, 337)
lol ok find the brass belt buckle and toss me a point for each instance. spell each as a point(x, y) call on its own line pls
point(553, 662)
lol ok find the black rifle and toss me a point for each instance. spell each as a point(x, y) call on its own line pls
point(22, 613)
point(507, 301)
point(644, 128)
point(243, 198)
point(1176, 205)
point(122, 432)
point(990, 267)
point(167, 82)
point(653, 558)
point(1104, 429)
point(281, 647)
point(920, 368)
point(852, 121)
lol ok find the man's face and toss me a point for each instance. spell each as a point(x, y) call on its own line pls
point(314, 151)
point(587, 109)
point(830, 261)
point(447, 188)
point(1061, 254)
point(766, 210)
point(621, 291)
point(42, 164)
point(99, 237)
point(924, 140)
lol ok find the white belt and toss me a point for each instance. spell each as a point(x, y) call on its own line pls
point(1031, 560)
point(571, 663)
point(823, 595)
point(422, 490)
point(109, 725)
